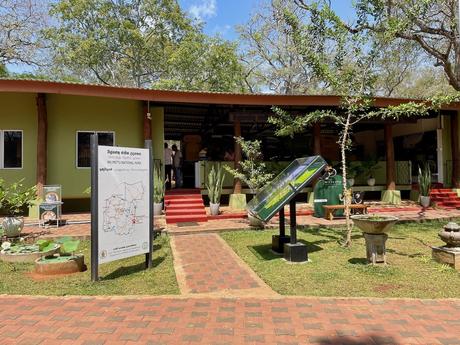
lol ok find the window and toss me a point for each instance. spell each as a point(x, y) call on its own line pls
point(83, 146)
point(11, 149)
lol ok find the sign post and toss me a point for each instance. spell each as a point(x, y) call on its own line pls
point(121, 205)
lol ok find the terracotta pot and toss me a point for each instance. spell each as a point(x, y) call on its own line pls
point(214, 209)
point(12, 226)
point(75, 263)
point(379, 225)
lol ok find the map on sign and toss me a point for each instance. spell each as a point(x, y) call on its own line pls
point(121, 210)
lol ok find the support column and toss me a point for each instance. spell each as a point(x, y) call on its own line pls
point(147, 122)
point(317, 139)
point(42, 134)
point(455, 151)
point(390, 195)
point(237, 199)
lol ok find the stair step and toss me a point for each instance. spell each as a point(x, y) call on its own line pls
point(174, 212)
point(184, 201)
point(185, 206)
point(186, 218)
point(183, 197)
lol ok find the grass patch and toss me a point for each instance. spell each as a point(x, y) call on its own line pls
point(122, 277)
point(337, 271)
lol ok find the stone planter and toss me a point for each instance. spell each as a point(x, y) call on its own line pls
point(60, 265)
point(450, 234)
point(255, 222)
point(157, 209)
point(371, 181)
point(27, 257)
point(374, 229)
point(214, 209)
point(425, 201)
point(12, 226)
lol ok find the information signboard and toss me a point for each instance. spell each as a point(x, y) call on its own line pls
point(121, 203)
point(285, 186)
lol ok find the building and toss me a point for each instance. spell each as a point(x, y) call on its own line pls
point(45, 128)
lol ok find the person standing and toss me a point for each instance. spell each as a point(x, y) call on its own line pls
point(168, 157)
point(177, 166)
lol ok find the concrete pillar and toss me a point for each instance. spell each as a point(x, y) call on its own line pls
point(390, 195)
point(42, 134)
point(317, 139)
point(147, 122)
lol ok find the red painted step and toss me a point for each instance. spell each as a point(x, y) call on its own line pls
point(184, 205)
point(445, 198)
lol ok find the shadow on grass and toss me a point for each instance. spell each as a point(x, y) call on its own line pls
point(376, 340)
point(126, 270)
point(264, 251)
point(358, 261)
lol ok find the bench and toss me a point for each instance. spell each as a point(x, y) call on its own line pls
point(330, 209)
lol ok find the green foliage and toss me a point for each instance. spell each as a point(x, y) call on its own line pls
point(215, 182)
point(252, 170)
point(424, 180)
point(45, 245)
point(23, 248)
point(158, 186)
point(68, 245)
point(369, 165)
point(15, 197)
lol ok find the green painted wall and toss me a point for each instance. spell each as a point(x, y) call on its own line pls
point(18, 111)
point(158, 133)
point(447, 151)
point(69, 114)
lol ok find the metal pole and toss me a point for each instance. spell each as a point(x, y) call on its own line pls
point(293, 221)
point(94, 210)
point(282, 223)
point(149, 255)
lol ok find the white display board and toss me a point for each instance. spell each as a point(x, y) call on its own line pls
point(123, 202)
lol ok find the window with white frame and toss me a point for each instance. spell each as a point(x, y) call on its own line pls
point(11, 149)
point(84, 149)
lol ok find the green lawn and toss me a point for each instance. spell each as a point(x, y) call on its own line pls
point(337, 271)
point(123, 277)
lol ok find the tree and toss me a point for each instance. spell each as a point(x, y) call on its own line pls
point(433, 25)
point(252, 170)
point(350, 72)
point(20, 23)
point(119, 42)
point(203, 63)
point(270, 56)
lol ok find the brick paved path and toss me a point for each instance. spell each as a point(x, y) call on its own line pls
point(54, 320)
point(204, 263)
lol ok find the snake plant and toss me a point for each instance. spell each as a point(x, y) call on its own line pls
point(214, 183)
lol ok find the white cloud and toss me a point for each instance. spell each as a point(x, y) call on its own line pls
point(205, 9)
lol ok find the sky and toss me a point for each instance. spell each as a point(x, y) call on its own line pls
point(221, 16)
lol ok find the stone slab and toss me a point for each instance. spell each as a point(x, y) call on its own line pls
point(446, 256)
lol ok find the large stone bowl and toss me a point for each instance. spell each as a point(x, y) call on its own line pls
point(27, 257)
point(374, 224)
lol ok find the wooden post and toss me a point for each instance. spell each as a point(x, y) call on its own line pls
point(42, 134)
point(317, 139)
point(390, 157)
point(237, 132)
point(455, 151)
point(147, 122)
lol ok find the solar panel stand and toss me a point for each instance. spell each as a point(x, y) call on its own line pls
point(294, 251)
point(278, 241)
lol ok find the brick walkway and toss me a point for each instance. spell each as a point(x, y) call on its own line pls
point(204, 263)
point(112, 321)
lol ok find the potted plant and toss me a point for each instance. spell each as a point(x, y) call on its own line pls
point(67, 261)
point(252, 171)
point(158, 192)
point(214, 185)
point(424, 183)
point(353, 170)
point(24, 252)
point(368, 167)
point(14, 199)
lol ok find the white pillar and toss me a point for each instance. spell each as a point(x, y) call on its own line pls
point(440, 155)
